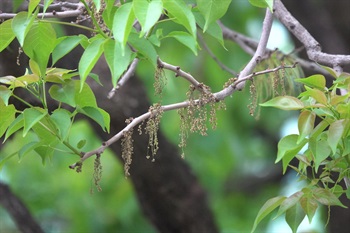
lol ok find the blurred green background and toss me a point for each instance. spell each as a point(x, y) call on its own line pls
point(230, 161)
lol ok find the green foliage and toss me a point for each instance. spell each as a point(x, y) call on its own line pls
point(327, 153)
point(113, 30)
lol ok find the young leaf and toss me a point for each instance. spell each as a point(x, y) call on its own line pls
point(63, 46)
point(330, 70)
point(147, 13)
point(8, 114)
point(284, 103)
point(309, 206)
point(32, 5)
point(212, 10)
point(31, 117)
point(64, 93)
point(21, 24)
point(5, 94)
point(144, 47)
point(29, 147)
point(122, 23)
point(288, 148)
point(16, 125)
point(289, 203)
point(45, 152)
point(326, 197)
point(335, 133)
point(89, 58)
point(294, 216)
point(186, 39)
point(213, 29)
point(98, 115)
point(39, 43)
point(318, 95)
point(46, 5)
point(266, 209)
point(316, 81)
point(182, 13)
point(6, 33)
point(306, 123)
point(85, 97)
point(117, 62)
point(320, 150)
point(259, 3)
point(62, 120)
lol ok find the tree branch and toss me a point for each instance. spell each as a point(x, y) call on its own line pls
point(166, 108)
point(76, 10)
point(313, 48)
point(126, 76)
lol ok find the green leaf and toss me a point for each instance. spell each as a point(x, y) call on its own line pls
point(85, 97)
point(7, 34)
point(284, 103)
point(29, 147)
point(89, 58)
point(214, 30)
point(266, 209)
point(39, 43)
point(63, 46)
point(21, 24)
point(326, 197)
point(147, 13)
point(31, 117)
point(320, 150)
point(306, 123)
point(309, 206)
point(46, 5)
point(288, 148)
point(289, 203)
point(259, 3)
point(117, 62)
point(317, 94)
point(16, 125)
point(186, 39)
point(182, 14)
point(144, 47)
point(122, 23)
point(32, 5)
point(212, 10)
point(316, 81)
point(8, 115)
point(62, 120)
point(5, 94)
point(45, 152)
point(335, 133)
point(64, 93)
point(330, 70)
point(96, 114)
point(294, 216)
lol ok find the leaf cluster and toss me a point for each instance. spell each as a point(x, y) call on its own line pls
point(324, 132)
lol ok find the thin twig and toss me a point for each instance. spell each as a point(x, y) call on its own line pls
point(124, 78)
point(164, 108)
point(179, 73)
point(79, 10)
point(222, 66)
